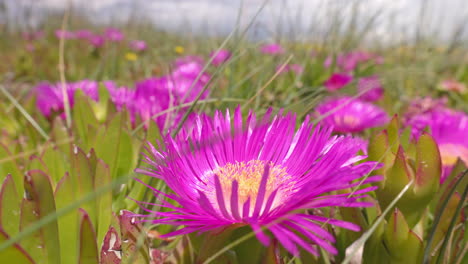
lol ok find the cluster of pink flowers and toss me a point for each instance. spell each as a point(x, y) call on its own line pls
point(348, 62)
point(146, 101)
point(98, 40)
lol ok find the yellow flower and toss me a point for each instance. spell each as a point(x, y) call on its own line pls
point(131, 56)
point(179, 49)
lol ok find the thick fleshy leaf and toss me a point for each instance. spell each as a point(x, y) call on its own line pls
point(378, 151)
point(111, 248)
point(104, 201)
point(131, 233)
point(428, 169)
point(83, 116)
point(40, 194)
point(13, 254)
point(82, 174)
point(34, 243)
point(60, 135)
point(396, 233)
point(396, 178)
point(393, 131)
point(56, 163)
point(10, 204)
point(447, 215)
point(8, 165)
point(88, 249)
point(65, 194)
point(114, 146)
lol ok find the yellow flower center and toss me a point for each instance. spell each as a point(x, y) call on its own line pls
point(248, 176)
point(450, 152)
point(349, 120)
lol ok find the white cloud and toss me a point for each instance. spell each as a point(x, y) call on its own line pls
point(293, 16)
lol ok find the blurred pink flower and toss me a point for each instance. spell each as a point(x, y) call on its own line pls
point(113, 34)
point(220, 57)
point(371, 88)
point(83, 34)
point(96, 41)
point(138, 45)
point(64, 34)
point(453, 86)
point(337, 81)
point(272, 49)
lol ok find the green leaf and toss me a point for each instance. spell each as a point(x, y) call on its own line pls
point(114, 146)
point(393, 131)
point(82, 173)
point(56, 163)
point(8, 166)
point(9, 207)
point(37, 185)
point(378, 151)
point(67, 224)
point(104, 202)
point(14, 254)
point(83, 116)
point(396, 178)
point(428, 169)
point(88, 249)
point(60, 135)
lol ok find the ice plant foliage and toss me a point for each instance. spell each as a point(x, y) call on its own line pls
point(259, 173)
point(349, 115)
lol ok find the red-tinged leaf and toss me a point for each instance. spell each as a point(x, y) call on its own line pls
point(37, 185)
point(8, 165)
point(13, 254)
point(131, 232)
point(111, 248)
point(10, 205)
point(34, 243)
point(67, 224)
point(396, 232)
point(104, 201)
point(396, 178)
point(82, 173)
point(88, 249)
point(428, 167)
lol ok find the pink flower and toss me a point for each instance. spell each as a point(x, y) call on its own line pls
point(64, 34)
point(220, 57)
point(113, 34)
point(272, 49)
point(453, 86)
point(261, 173)
point(138, 45)
point(371, 88)
point(337, 81)
point(96, 41)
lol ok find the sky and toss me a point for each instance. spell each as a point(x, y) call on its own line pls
point(394, 18)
